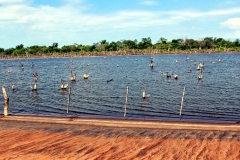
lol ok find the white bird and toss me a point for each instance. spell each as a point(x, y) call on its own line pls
point(219, 60)
point(85, 76)
point(73, 77)
point(63, 86)
point(175, 76)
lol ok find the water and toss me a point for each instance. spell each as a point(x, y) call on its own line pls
point(215, 98)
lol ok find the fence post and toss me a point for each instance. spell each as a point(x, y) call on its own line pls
point(69, 93)
point(125, 110)
point(182, 101)
point(6, 101)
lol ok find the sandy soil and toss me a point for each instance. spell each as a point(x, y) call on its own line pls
point(34, 140)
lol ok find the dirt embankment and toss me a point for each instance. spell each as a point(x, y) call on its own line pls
point(30, 141)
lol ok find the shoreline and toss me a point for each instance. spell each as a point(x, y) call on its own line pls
point(126, 123)
point(111, 55)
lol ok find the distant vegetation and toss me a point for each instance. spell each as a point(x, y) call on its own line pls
point(126, 47)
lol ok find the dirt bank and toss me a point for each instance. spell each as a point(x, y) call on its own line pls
point(48, 140)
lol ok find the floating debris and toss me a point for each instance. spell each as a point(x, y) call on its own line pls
point(109, 80)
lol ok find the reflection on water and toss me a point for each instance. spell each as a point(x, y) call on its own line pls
point(215, 97)
point(35, 93)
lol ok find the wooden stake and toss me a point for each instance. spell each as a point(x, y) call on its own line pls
point(35, 78)
point(6, 101)
point(182, 101)
point(69, 93)
point(143, 91)
point(125, 110)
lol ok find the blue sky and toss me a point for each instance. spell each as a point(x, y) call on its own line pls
point(43, 22)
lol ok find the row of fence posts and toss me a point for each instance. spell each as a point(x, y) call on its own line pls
point(125, 108)
point(6, 101)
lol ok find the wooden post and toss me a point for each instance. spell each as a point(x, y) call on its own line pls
point(69, 93)
point(35, 77)
point(143, 91)
point(182, 101)
point(6, 101)
point(125, 110)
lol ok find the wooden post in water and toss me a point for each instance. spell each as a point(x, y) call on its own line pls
point(143, 91)
point(6, 101)
point(35, 78)
point(182, 101)
point(69, 93)
point(125, 110)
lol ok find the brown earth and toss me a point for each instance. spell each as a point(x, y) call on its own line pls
point(25, 140)
point(116, 53)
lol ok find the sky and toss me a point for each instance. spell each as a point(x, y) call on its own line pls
point(44, 22)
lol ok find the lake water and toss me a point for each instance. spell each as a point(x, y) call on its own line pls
point(214, 98)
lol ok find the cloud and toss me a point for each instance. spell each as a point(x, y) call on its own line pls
point(149, 3)
point(46, 18)
point(224, 12)
point(232, 23)
point(74, 21)
point(11, 1)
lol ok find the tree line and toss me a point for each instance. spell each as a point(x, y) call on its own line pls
point(127, 47)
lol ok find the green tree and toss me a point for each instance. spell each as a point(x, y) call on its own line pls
point(175, 44)
point(209, 43)
point(113, 46)
point(145, 43)
point(9, 51)
point(20, 46)
point(55, 45)
point(236, 43)
point(162, 40)
point(18, 52)
point(101, 46)
point(88, 48)
point(65, 49)
point(130, 44)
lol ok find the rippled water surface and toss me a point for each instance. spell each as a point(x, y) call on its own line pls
point(215, 98)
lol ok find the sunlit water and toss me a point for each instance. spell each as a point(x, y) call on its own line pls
point(215, 98)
